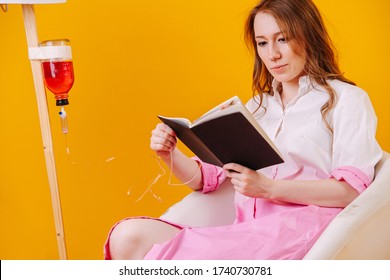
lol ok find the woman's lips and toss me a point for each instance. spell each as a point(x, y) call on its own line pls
point(278, 67)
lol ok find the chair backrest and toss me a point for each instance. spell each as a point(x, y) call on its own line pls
point(362, 229)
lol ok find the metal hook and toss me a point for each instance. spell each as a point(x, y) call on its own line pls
point(4, 7)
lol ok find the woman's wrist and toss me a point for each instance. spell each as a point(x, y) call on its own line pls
point(274, 187)
point(166, 156)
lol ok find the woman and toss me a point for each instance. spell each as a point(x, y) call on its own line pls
point(321, 122)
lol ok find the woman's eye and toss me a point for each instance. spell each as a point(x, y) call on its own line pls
point(261, 43)
point(282, 40)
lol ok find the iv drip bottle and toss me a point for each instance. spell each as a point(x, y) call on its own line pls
point(59, 79)
point(58, 71)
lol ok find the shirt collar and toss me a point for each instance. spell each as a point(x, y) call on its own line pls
point(305, 85)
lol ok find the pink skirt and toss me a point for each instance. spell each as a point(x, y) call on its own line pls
point(285, 234)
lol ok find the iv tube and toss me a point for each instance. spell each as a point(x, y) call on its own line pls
point(64, 121)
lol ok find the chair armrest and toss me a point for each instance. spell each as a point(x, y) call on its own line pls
point(362, 229)
point(202, 210)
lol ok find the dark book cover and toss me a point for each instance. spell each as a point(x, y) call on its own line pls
point(226, 139)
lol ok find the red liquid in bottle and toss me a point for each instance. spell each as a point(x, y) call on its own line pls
point(59, 77)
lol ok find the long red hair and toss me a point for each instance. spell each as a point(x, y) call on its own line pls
point(301, 22)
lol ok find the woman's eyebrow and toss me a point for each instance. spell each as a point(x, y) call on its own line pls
point(273, 35)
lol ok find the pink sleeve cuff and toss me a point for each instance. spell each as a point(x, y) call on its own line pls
point(212, 175)
point(353, 176)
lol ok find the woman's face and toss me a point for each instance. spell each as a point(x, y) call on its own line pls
point(282, 62)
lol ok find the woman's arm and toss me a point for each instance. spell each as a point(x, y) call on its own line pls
point(326, 192)
point(185, 169)
point(163, 141)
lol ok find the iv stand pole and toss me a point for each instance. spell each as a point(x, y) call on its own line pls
point(32, 41)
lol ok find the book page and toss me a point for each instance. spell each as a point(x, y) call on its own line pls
point(225, 108)
point(181, 121)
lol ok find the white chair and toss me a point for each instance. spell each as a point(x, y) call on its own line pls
point(360, 231)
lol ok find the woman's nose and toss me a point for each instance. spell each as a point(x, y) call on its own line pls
point(274, 52)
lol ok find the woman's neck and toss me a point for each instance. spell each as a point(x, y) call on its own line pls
point(288, 91)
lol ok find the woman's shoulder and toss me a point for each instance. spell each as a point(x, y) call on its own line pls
point(349, 95)
point(346, 90)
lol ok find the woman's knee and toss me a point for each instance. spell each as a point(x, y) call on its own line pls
point(127, 241)
point(133, 238)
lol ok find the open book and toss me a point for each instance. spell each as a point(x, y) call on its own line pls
point(227, 133)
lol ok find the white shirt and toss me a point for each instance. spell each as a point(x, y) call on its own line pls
point(310, 150)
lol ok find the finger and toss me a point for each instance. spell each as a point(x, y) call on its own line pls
point(238, 189)
point(162, 132)
point(162, 137)
point(163, 140)
point(231, 173)
point(234, 167)
point(159, 134)
point(242, 191)
point(161, 143)
point(165, 128)
point(236, 183)
point(160, 147)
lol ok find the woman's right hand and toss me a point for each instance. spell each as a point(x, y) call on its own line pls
point(163, 140)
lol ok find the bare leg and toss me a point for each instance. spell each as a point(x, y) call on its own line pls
point(133, 238)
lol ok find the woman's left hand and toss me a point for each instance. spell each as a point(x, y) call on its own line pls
point(248, 182)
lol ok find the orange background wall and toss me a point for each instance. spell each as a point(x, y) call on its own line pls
point(132, 61)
